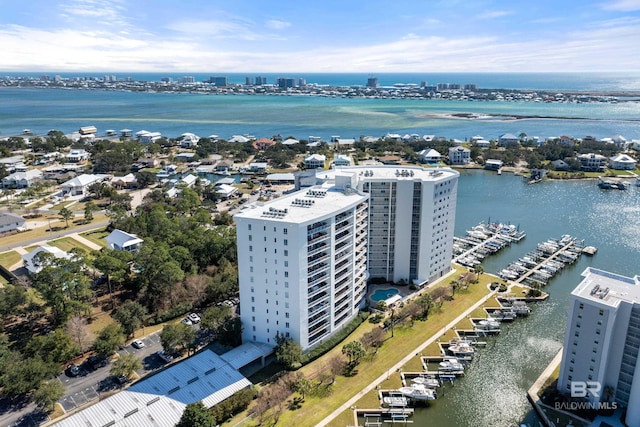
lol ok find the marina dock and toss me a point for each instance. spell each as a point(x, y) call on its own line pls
point(483, 240)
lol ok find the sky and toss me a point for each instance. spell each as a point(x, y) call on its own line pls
point(320, 36)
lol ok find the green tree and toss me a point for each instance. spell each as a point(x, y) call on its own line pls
point(303, 386)
point(57, 347)
point(231, 332)
point(89, 208)
point(354, 351)
point(214, 318)
point(109, 339)
point(288, 352)
point(114, 264)
point(23, 375)
point(425, 301)
point(130, 315)
point(66, 215)
point(196, 415)
point(126, 365)
point(177, 335)
point(11, 298)
point(47, 394)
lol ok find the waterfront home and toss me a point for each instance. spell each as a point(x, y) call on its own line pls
point(459, 156)
point(493, 164)
point(342, 160)
point(258, 167)
point(79, 185)
point(32, 261)
point(119, 240)
point(77, 155)
point(224, 165)
point(10, 222)
point(189, 140)
point(88, 130)
point(429, 156)
point(185, 156)
point(290, 141)
point(343, 142)
point(22, 179)
point(622, 162)
point(620, 142)
point(225, 190)
point(559, 165)
point(482, 143)
point(148, 137)
point(188, 180)
point(506, 139)
point(592, 162)
point(314, 161)
point(263, 143)
point(566, 140)
point(10, 163)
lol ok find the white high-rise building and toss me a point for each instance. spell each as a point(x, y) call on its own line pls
point(602, 341)
point(412, 212)
point(302, 263)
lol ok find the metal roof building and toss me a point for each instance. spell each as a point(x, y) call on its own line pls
point(161, 399)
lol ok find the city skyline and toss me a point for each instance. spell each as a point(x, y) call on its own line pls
point(371, 37)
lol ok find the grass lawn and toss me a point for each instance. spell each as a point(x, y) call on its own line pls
point(7, 259)
point(96, 236)
point(406, 339)
point(68, 243)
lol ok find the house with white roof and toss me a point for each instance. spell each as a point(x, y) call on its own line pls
point(10, 162)
point(189, 140)
point(10, 222)
point(22, 179)
point(258, 167)
point(344, 142)
point(314, 161)
point(342, 160)
point(622, 162)
point(429, 155)
point(119, 240)
point(290, 141)
point(239, 138)
point(507, 138)
point(189, 180)
point(459, 155)
point(32, 260)
point(482, 143)
point(493, 164)
point(127, 181)
point(79, 185)
point(225, 190)
point(592, 162)
point(148, 137)
point(78, 155)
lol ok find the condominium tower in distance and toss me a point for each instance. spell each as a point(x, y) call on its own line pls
point(305, 258)
point(302, 263)
point(600, 356)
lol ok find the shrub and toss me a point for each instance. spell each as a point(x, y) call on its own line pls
point(335, 339)
point(234, 404)
point(174, 312)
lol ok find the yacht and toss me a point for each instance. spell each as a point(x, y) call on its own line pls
point(488, 324)
point(461, 348)
point(451, 365)
point(418, 392)
point(429, 382)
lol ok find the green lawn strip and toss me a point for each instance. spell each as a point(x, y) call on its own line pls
point(405, 341)
point(7, 259)
point(68, 243)
point(96, 236)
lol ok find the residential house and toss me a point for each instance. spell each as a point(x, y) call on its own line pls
point(344, 142)
point(127, 181)
point(622, 162)
point(263, 143)
point(342, 160)
point(493, 164)
point(239, 139)
point(148, 137)
point(560, 165)
point(506, 139)
point(189, 180)
point(79, 185)
point(314, 161)
point(225, 190)
point(10, 163)
point(10, 222)
point(566, 140)
point(32, 262)
point(290, 141)
point(620, 142)
point(390, 160)
point(482, 143)
point(22, 179)
point(185, 156)
point(258, 167)
point(77, 155)
point(429, 156)
point(459, 155)
point(119, 240)
point(189, 140)
point(224, 165)
point(592, 162)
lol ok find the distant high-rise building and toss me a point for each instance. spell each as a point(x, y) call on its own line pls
point(423, 84)
point(218, 81)
point(248, 81)
point(372, 82)
point(166, 80)
point(285, 82)
point(471, 87)
point(442, 86)
point(302, 81)
point(261, 81)
point(187, 80)
point(602, 342)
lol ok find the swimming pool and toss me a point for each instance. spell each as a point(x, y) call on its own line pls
point(383, 294)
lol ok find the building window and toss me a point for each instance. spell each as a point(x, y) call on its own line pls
point(250, 238)
point(287, 324)
point(581, 306)
point(286, 263)
point(285, 231)
point(253, 318)
point(251, 269)
point(250, 248)
point(286, 274)
point(253, 299)
point(570, 377)
point(286, 315)
point(286, 242)
point(253, 309)
point(286, 252)
point(601, 312)
point(249, 226)
point(254, 328)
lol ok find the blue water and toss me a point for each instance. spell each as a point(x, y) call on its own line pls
point(383, 294)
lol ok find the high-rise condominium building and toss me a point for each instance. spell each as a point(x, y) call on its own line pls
point(302, 262)
point(602, 341)
point(412, 213)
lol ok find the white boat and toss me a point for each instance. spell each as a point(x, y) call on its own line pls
point(461, 348)
point(488, 324)
point(418, 392)
point(428, 382)
point(451, 365)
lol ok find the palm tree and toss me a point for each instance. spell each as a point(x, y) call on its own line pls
point(66, 215)
point(478, 269)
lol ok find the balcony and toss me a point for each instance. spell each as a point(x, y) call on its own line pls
point(315, 248)
point(342, 254)
point(316, 238)
point(314, 259)
point(315, 337)
point(324, 295)
point(317, 267)
point(312, 290)
point(343, 274)
point(317, 278)
point(317, 228)
point(318, 318)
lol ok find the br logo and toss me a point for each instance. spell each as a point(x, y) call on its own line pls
point(585, 388)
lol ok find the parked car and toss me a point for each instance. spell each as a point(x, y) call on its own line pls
point(96, 362)
point(187, 321)
point(72, 370)
point(122, 379)
point(137, 344)
point(194, 318)
point(164, 356)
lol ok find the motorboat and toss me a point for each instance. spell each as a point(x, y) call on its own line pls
point(451, 365)
point(461, 348)
point(488, 324)
point(418, 392)
point(428, 382)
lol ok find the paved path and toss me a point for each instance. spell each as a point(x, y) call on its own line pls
point(85, 242)
point(349, 403)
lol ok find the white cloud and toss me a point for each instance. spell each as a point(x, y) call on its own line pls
point(494, 14)
point(276, 24)
point(622, 5)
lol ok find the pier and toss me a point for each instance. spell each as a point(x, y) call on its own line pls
point(483, 240)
